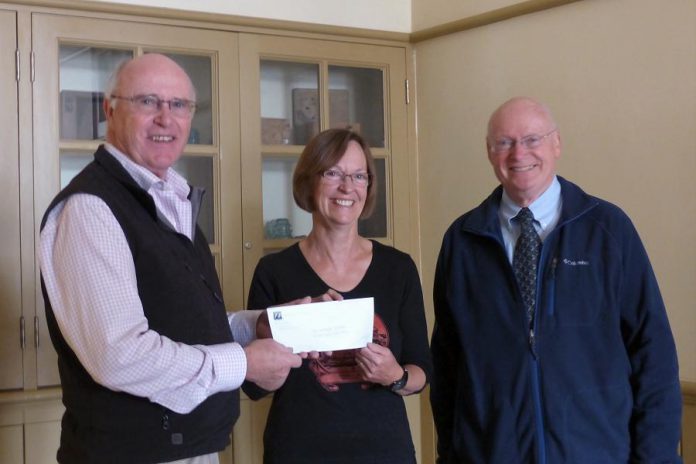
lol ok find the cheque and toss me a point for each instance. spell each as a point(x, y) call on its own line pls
point(324, 326)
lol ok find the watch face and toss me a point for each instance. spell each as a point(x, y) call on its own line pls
point(401, 383)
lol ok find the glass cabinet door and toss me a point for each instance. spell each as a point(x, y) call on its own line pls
point(292, 113)
point(297, 88)
point(78, 56)
point(294, 108)
point(356, 102)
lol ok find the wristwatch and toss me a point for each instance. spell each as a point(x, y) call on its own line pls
point(401, 383)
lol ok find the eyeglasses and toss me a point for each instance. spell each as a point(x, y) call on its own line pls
point(151, 104)
point(335, 176)
point(531, 141)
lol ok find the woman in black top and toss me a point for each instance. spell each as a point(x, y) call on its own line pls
point(347, 406)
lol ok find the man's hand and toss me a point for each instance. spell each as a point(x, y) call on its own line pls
point(269, 363)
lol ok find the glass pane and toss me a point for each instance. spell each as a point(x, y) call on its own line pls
point(289, 102)
point(199, 68)
point(198, 171)
point(71, 164)
point(376, 224)
point(356, 101)
point(282, 218)
point(84, 73)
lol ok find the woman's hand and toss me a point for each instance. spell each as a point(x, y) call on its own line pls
point(263, 328)
point(378, 365)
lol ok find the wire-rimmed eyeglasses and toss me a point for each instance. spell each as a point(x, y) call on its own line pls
point(336, 176)
point(151, 104)
point(504, 145)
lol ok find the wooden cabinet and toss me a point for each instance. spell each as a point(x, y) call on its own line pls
point(11, 444)
point(287, 89)
point(20, 421)
point(30, 426)
point(43, 438)
point(11, 315)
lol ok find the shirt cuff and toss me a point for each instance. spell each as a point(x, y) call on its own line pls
point(243, 325)
point(230, 366)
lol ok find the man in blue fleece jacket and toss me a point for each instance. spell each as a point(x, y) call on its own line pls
point(587, 372)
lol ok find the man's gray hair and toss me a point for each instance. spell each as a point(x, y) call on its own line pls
point(113, 81)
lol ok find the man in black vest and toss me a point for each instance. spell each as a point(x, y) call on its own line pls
point(150, 362)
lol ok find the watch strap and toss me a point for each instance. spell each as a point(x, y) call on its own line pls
point(400, 383)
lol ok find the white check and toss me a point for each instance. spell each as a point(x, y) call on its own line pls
point(324, 326)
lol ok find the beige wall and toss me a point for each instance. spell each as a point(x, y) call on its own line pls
point(620, 76)
point(430, 13)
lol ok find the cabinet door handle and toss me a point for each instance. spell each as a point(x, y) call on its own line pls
point(248, 245)
point(32, 73)
point(22, 333)
point(36, 331)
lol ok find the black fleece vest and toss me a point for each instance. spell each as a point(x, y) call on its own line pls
point(181, 296)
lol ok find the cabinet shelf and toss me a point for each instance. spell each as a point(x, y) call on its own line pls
point(289, 151)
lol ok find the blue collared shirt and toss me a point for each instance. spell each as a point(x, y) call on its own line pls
point(546, 210)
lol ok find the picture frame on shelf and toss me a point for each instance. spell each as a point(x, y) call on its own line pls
point(306, 114)
point(275, 131)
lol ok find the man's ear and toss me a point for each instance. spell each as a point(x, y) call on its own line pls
point(488, 151)
point(557, 144)
point(108, 110)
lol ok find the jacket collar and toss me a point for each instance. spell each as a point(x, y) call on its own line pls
point(483, 220)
